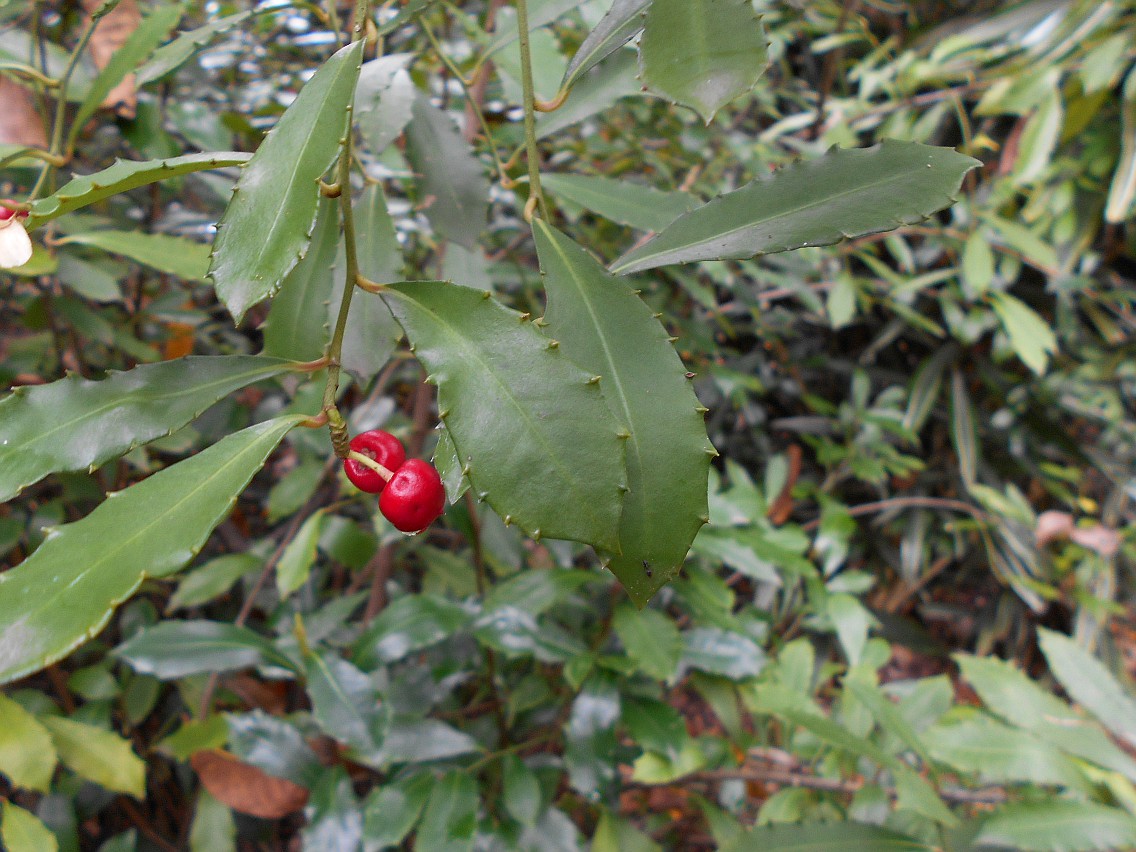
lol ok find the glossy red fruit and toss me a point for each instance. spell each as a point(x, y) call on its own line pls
point(381, 446)
point(6, 213)
point(414, 497)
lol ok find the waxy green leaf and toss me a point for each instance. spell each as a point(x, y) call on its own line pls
point(65, 592)
point(98, 755)
point(175, 255)
point(453, 187)
point(604, 326)
point(268, 223)
point(27, 756)
point(633, 204)
point(297, 321)
point(122, 176)
point(23, 831)
point(837, 835)
point(514, 404)
point(170, 57)
point(845, 193)
point(75, 423)
point(1058, 825)
point(617, 27)
point(174, 649)
point(702, 53)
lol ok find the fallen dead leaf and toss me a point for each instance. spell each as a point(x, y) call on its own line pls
point(109, 36)
point(246, 789)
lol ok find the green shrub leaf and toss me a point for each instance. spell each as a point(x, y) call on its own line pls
point(98, 755)
point(268, 224)
point(65, 592)
point(75, 423)
point(845, 193)
point(533, 433)
point(176, 649)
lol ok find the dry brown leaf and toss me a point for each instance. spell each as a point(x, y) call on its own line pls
point(20, 121)
point(246, 789)
point(111, 34)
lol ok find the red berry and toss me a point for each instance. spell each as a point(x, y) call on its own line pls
point(414, 497)
point(381, 446)
point(6, 213)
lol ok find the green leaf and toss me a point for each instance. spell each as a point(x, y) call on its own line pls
point(344, 701)
point(213, 828)
point(122, 176)
point(194, 736)
point(590, 737)
point(98, 755)
point(963, 433)
point(702, 53)
point(617, 27)
point(299, 555)
point(651, 768)
point(410, 623)
point(450, 820)
point(27, 756)
point(521, 790)
point(453, 186)
point(722, 652)
point(393, 809)
point(384, 99)
point(174, 649)
point(75, 423)
point(1039, 138)
point(655, 725)
point(22, 831)
point(65, 592)
point(1089, 683)
point(541, 13)
point(596, 91)
point(335, 820)
point(845, 193)
point(820, 837)
point(1029, 334)
point(371, 334)
point(211, 580)
point(1122, 189)
point(150, 33)
point(268, 223)
point(650, 639)
point(514, 404)
point(851, 621)
point(633, 204)
point(449, 467)
point(1020, 701)
point(604, 327)
point(296, 326)
point(999, 753)
point(414, 740)
point(174, 255)
point(272, 744)
point(1059, 825)
point(170, 57)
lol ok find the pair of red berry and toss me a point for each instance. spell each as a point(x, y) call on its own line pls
point(411, 497)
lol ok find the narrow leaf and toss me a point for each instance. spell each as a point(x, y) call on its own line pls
point(392, 810)
point(267, 225)
point(608, 330)
point(845, 193)
point(514, 404)
point(175, 649)
point(65, 592)
point(174, 255)
point(384, 99)
point(298, 557)
point(1122, 190)
point(98, 755)
point(702, 53)
point(75, 423)
point(170, 57)
point(1059, 825)
point(632, 204)
point(122, 176)
point(297, 325)
point(821, 836)
point(27, 756)
point(617, 27)
point(963, 433)
point(595, 91)
point(999, 753)
point(452, 187)
point(1029, 334)
point(22, 831)
point(650, 639)
point(450, 819)
point(344, 701)
point(1090, 684)
point(151, 32)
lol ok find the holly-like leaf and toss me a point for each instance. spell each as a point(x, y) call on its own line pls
point(531, 428)
point(76, 423)
point(65, 592)
point(170, 57)
point(174, 255)
point(176, 649)
point(122, 176)
point(297, 321)
point(604, 326)
point(702, 53)
point(27, 756)
point(617, 27)
point(845, 193)
point(453, 187)
point(268, 223)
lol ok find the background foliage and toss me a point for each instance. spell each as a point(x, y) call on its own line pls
point(909, 622)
